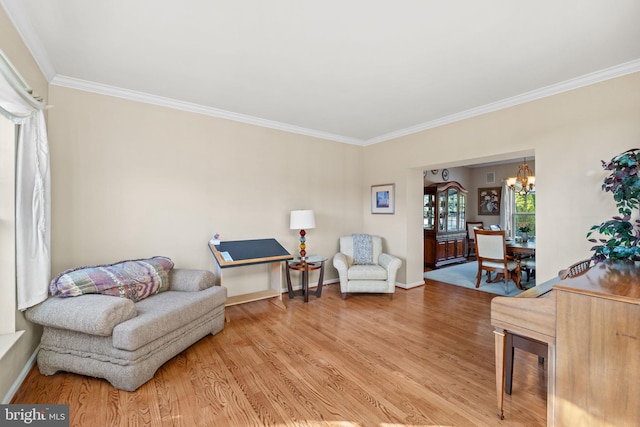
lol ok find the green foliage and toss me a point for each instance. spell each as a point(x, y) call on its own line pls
point(620, 236)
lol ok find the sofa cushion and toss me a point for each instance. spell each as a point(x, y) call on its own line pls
point(165, 312)
point(89, 314)
point(367, 272)
point(132, 279)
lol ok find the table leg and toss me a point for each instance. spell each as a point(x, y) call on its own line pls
point(320, 280)
point(500, 345)
point(289, 287)
point(305, 282)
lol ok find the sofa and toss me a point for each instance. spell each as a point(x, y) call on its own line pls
point(123, 341)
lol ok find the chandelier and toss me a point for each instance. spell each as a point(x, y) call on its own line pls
point(524, 181)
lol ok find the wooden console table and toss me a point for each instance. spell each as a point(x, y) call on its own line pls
point(240, 253)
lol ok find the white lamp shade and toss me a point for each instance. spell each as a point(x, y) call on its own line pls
point(302, 220)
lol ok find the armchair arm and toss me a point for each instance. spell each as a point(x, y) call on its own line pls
point(342, 265)
point(392, 264)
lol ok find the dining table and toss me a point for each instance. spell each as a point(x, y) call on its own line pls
point(521, 249)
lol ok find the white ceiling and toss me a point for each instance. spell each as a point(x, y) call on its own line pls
point(355, 71)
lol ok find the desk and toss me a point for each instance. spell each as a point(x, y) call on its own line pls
point(313, 262)
point(249, 252)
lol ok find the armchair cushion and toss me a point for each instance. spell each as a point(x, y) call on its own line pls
point(367, 272)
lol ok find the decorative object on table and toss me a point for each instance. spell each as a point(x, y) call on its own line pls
point(383, 199)
point(621, 234)
point(524, 232)
point(489, 201)
point(434, 171)
point(215, 240)
point(445, 174)
point(524, 182)
point(302, 220)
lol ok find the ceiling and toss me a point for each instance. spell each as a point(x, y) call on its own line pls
point(358, 71)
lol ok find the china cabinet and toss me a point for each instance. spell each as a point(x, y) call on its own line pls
point(445, 210)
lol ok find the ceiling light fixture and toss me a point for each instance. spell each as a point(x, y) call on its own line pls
point(524, 181)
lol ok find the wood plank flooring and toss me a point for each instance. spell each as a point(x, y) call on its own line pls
point(424, 358)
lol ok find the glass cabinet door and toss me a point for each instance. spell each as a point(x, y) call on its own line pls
point(452, 214)
point(462, 213)
point(442, 207)
point(429, 211)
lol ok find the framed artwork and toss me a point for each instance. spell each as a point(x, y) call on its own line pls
point(489, 200)
point(383, 198)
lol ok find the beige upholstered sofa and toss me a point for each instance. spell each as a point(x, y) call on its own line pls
point(377, 275)
point(125, 342)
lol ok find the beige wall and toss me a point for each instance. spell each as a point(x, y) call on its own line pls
point(569, 134)
point(133, 180)
point(13, 363)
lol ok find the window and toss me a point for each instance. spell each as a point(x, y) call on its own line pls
point(524, 213)
point(8, 334)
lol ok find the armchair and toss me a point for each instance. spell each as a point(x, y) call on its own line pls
point(375, 276)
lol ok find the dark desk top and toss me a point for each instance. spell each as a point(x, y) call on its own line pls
point(246, 252)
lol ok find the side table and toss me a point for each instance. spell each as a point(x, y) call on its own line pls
point(310, 263)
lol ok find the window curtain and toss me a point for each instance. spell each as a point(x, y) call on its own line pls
point(33, 201)
point(507, 210)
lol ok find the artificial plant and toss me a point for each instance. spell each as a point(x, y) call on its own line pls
point(620, 234)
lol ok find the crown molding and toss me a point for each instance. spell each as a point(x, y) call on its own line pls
point(575, 83)
point(131, 95)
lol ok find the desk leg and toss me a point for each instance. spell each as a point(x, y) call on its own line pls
point(276, 284)
point(500, 344)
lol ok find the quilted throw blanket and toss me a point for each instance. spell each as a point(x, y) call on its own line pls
point(362, 249)
point(133, 279)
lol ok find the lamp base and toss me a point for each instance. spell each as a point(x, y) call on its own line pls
point(303, 245)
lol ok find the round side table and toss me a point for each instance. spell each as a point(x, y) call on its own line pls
point(310, 263)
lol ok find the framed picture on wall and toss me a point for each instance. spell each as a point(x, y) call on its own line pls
point(489, 200)
point(383, 198)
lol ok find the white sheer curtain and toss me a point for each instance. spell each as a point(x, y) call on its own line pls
point(33, 201)
point(506, 211)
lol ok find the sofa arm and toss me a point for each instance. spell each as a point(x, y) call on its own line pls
point(189, 280)
point(392, 264)
point(92, 314)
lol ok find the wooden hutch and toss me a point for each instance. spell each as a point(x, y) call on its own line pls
point(445, 210)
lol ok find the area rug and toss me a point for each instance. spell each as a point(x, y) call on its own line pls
point(465, 275)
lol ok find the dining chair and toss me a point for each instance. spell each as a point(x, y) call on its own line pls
point(471, 237)
point(491, 253)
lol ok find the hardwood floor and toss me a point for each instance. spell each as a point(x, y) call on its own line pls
point(423, 358)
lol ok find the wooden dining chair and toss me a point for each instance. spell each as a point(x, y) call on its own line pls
point(491, 253)
point(471, 237)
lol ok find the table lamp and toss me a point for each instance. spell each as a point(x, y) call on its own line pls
point(301, 220)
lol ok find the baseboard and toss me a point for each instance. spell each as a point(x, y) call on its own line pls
point(410, 285)
point(23, 374)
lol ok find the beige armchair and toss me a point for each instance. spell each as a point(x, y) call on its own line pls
point(377, 275)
